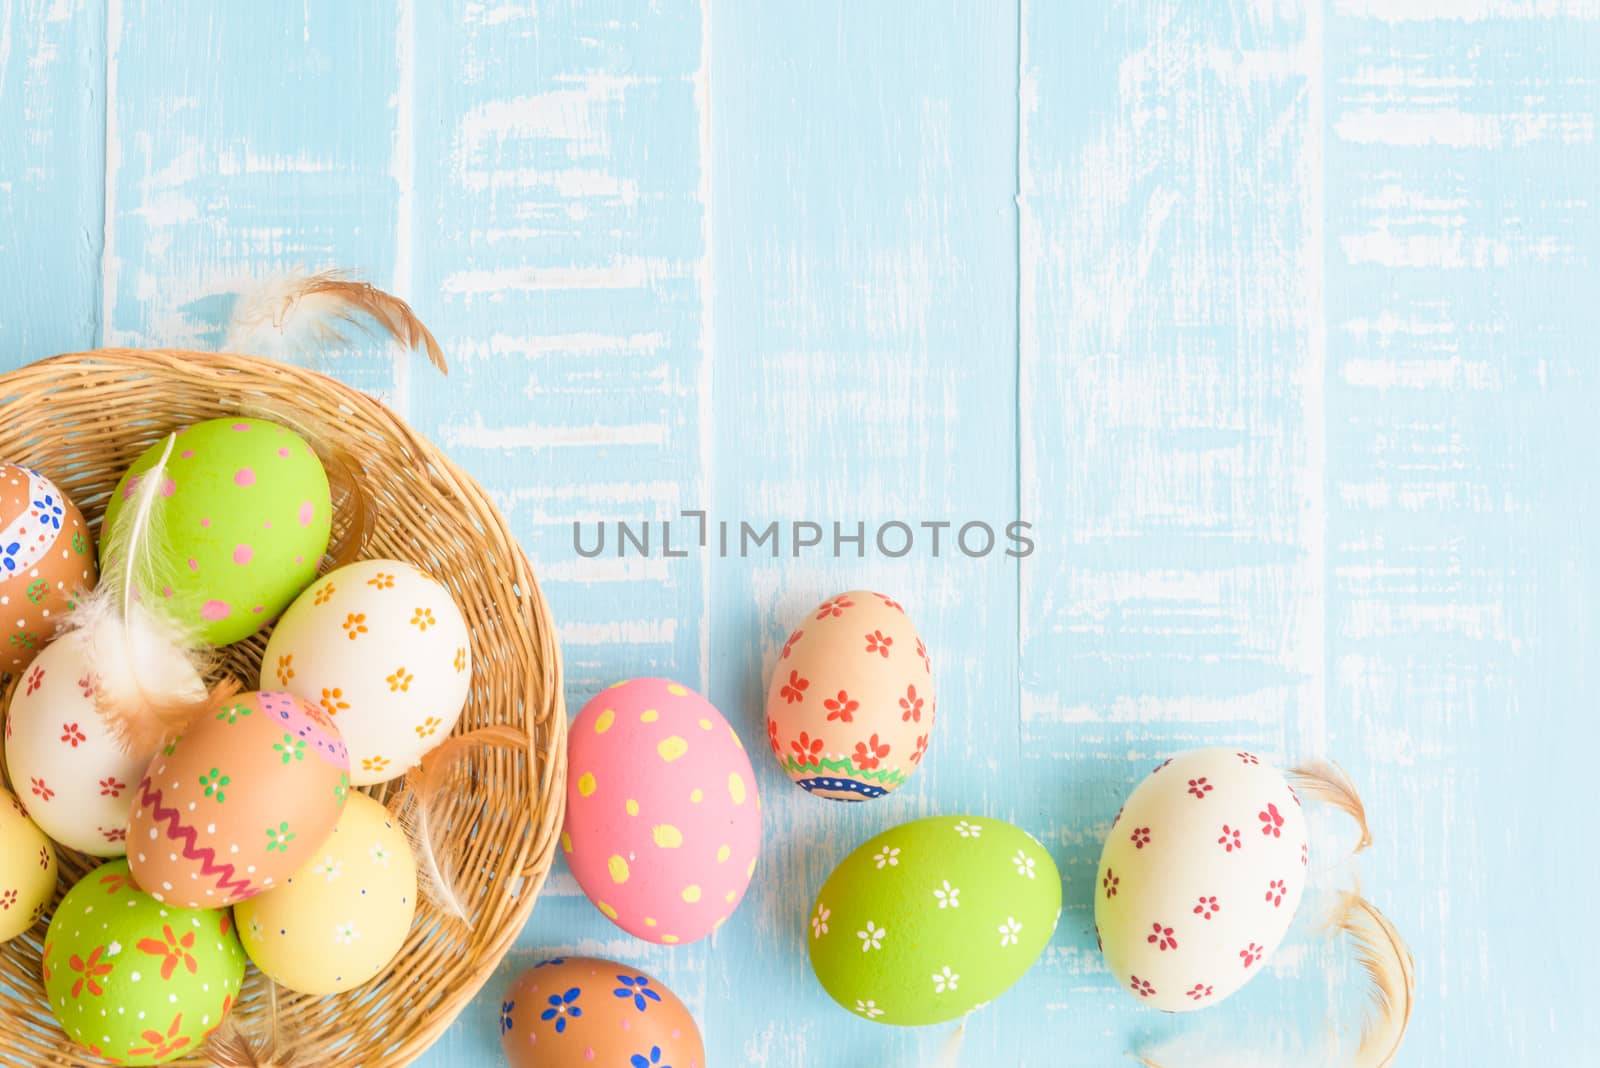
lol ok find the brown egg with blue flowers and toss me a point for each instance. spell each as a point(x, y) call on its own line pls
point(45, 562)
point(573, 1012)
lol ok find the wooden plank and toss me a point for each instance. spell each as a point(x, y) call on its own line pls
point(52, 70)
point(216, 175)
point(558, 247)
point(863, 322)
point(1462, 387)
point(1171, 408)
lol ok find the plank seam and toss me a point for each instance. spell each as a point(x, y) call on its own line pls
point(110, 159)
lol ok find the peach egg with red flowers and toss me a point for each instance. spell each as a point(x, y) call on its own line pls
point(850, 704)
point(663, 818)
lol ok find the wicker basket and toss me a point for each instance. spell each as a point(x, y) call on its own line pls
point(82, 419)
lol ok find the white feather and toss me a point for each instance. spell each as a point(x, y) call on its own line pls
point(148, 667)
point(279, 319)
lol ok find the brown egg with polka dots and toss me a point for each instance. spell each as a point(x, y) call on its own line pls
point(46, 563)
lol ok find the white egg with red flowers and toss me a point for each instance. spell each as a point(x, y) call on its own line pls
point(1199, 878)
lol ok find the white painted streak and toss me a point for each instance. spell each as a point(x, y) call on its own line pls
point(1263, 707)
point(1453, 250)
point(403, 169)
point(1394, 76)
point(1454, 128)
point(246, 160)
point(609, 569)
point(1386, 326)
point(7, 13)
point(572, 183)
point(1311, 627)
point(704, 276)
point(1465, 10)
point(478, 436)
point(589, 501)
point(1452, 373)
point(498, 14)
point(110, 265)
point(573, 115)
point(1028, 242)
point(577, 344)
point(624, 272)
point(620, 632)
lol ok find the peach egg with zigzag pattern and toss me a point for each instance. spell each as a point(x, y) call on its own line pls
point(663, 818)
point(237, 802)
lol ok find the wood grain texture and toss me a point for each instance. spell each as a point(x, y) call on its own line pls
point(1172, 404)
point(52, 117)
point(1275, 319)
point(863, 331)
point(241, 141)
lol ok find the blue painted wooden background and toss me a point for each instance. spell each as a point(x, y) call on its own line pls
point(1277, 320)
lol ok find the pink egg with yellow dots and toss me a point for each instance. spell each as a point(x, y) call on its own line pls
point(663, 819)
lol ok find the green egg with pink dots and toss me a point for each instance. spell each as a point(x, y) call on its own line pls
point(133, 980)
point(244, 516)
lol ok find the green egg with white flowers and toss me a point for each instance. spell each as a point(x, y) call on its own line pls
point(934, 918)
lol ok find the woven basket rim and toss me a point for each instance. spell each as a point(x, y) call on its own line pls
point(523, 866)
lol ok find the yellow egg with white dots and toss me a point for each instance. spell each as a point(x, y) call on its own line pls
point(342, 917)
point(663, 821)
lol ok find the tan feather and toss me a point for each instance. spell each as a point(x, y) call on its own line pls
point(319, 309)
point(1391, 974)
point(1328, 783)
point(352, 506)
point(950, 1052)
point(229, 1047)
point(422, 809)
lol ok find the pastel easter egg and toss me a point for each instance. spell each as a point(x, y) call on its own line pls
point(933, 918)
point(59, 746)
point(134, 980)
point(572, 1012)
point(27, 869)
point(46, 561)
point(238, 802)
point(663, 819)
point(341, 918)
point(245, 513)
point(382, 647)
point(1199, 878)
point(850, 705)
